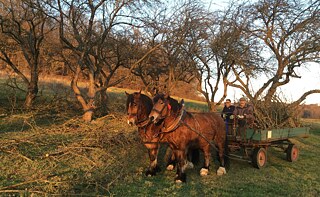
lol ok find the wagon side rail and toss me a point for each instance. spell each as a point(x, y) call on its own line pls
point(273, 135)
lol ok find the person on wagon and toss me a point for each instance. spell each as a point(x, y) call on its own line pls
point(227, 114)
point(244, 114)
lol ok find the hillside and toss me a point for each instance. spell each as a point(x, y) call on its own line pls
point(181, 89)
point(310, 111)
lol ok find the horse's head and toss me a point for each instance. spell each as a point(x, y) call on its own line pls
point(163, 106)
point(138, 107)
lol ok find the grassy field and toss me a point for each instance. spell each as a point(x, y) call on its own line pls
point(48, 151)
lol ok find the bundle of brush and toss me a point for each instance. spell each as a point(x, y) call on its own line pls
point(277, 114)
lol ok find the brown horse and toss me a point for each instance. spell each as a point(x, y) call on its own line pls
point(138, 108)
point(184, 130)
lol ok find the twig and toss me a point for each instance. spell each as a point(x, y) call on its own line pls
point(19, 184)
point(84, 147)
point(20, 191)
point(109, 184)
point(20, 155)
point(84, 158)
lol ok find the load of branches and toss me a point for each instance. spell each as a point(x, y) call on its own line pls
point(277, 114)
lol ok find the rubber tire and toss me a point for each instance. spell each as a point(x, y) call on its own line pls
point(292, 153)
point(259, 158)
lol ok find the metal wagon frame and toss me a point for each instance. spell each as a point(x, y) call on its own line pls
point(253, 144)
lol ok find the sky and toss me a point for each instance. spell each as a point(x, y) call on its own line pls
point(310, 76)
point(310, 80)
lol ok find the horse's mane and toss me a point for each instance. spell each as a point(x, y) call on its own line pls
point(147, 102)
point(175, 106)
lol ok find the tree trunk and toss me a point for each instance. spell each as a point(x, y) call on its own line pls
point(32, 91)
point(31, 96)
point(212, 107)
point(88, 107)
point(104, 102)
point(89, 110)
point(87, 116)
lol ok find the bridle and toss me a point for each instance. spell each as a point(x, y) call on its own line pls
point(141, 123)
point(159, 112)
point(132, 114)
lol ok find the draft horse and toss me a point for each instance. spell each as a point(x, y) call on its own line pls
point(184, 130)
point(138, 107)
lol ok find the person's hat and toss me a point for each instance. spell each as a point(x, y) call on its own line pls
point(243, 99)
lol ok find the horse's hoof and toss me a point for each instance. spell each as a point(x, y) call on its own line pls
point(221, 171)
point(204, 172)
point(179, 181)
point(190, 165)
point(150, 173)
point(170, 167)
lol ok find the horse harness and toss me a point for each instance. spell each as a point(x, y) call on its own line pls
point(180, 121)
point(175, 124)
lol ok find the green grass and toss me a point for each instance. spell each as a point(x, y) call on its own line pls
point(279, 178)
point(49, 151)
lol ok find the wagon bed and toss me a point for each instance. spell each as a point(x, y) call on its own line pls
point(253, 144)
point(275, 134)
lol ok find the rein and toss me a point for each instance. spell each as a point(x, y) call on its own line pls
point(143, 123)
point(175, 124)
point(209, 142)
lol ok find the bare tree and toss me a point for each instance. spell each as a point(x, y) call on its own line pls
point(288, 34)
point(174, 29)
point(23, 29)
point(94, 31)
point(214, 44)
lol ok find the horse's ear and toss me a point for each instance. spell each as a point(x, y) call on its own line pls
point(182, 102)
point(138, 94)
point(155, 91)
point(140, 91)
point(126, 93)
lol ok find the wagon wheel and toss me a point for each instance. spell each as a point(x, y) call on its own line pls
point(259, 157)
point(292, 153)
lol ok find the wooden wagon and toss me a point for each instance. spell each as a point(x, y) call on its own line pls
point(252, 145)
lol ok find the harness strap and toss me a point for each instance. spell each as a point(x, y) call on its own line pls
point(175, 124)
point(158, 111)
point(143, 123)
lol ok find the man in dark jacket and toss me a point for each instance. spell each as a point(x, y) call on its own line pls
point(227, 115)
point(244, 114)
point(227, 111)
